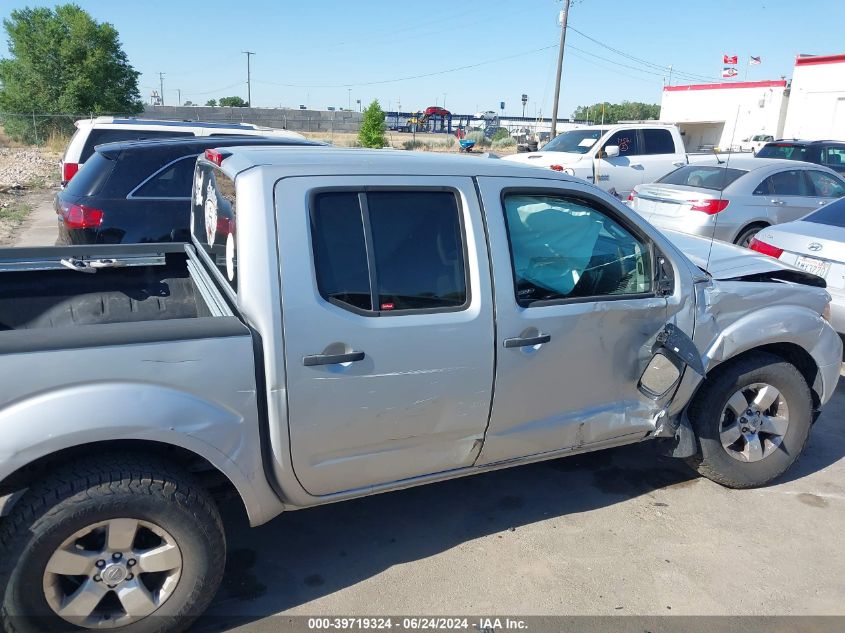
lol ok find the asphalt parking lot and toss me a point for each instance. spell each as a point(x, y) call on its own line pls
point(619, 532)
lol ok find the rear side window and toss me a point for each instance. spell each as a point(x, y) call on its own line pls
point(784, 183)
point(788, 151)
point(213, 219)
point(834, 156)
point(171, 181)
point(98, 136)
point(89, 180)
point(825, 185)
point(832, 214)
point(382, 252)
point(658, 142)
point(706, 177)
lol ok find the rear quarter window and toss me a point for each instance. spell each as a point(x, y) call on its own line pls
point(213, 219)
point(91, 178)
point(98, 136)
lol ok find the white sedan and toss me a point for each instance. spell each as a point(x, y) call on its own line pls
point(815, 243)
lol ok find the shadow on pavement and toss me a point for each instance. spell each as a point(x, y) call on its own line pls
point(304, 555)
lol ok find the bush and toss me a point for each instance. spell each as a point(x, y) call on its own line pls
point(508, 141)
point(479, 138)
point(450, 141)
point(412, 145)
point(501, 133)
point(372, 129)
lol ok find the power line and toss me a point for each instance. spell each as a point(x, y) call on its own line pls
point(208, 92)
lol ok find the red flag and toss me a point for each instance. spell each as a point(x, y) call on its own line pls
point(730, 59)
point(727, 73)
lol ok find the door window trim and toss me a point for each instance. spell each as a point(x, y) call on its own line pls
point(131, 195)
point(600, 206)
point(362, 191)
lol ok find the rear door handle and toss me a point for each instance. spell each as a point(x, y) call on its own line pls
point(529, 341)
point(332, 359)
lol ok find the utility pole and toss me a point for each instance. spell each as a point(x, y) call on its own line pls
point(349, 98)
point(248, 79)
point(179, 93)
point(161, 84)
point(563, 21)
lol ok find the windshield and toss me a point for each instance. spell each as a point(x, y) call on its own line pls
point(704, 177)
point(832, 214)
point(789, 151)
point(574, 141)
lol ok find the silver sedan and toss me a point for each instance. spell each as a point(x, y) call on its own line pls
point(815, 243)
point(733, 199)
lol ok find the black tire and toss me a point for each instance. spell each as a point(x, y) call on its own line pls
point(95, 490)
point(744, 238)
point(705, 413)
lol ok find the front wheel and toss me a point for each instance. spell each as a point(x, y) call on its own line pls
point(122, 543)
point(752, 420)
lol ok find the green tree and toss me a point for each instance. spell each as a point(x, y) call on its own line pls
point(62, 62)
point(372, 129)
point(212, 103)
point(232, 102)
point(615, 112)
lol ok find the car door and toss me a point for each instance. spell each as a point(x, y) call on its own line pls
point(578, 315)
point(659, 156)
point(786, 195)
point(618, 175)
point(388, 327)
point(824, 187)
point(159, 208)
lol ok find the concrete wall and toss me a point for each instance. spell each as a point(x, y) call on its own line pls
point(288, 119)
point(725, 114)
point(817, 103)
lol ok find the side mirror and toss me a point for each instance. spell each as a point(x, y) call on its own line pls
point(661, 374)
point(610, 151)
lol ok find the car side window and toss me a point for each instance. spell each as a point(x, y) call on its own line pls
point(389, 251)
point(98, 136)
point(784, 183)
point(627, 141)
point(171, 181)
point(824, 185)
point(658, 142)
point(834, 156)
point(563, 248)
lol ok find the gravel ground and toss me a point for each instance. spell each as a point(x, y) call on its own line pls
point(26, 173)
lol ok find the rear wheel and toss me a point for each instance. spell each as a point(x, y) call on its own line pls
point(752, 421)
point(747, 234)
point(120, 543)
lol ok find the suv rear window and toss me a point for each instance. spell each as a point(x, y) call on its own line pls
point(832, 214)
point(789, 151)
point(706, 177)
point(91, 177)
point(98, 136)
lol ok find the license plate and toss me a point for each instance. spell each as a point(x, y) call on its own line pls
point(812, 265)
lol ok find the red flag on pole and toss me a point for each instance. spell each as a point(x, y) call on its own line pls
point(730, 59)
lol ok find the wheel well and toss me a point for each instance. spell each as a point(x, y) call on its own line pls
point(759, 224)
point(794, 355)
point(210, 477)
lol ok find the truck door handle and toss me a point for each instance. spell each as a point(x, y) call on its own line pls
point(529, 341)
point(637, 166)
point(778, 202)
point(332, 359)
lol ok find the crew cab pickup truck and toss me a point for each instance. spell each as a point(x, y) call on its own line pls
point(616, 158)
point(347, 322)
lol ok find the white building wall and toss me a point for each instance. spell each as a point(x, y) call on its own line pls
point(817, 99)
point(722, 115)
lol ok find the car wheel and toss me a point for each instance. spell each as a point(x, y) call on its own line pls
point(752, 420)
point(747, 234)
point(124, 543)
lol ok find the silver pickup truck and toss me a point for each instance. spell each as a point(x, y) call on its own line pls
point(349, 322)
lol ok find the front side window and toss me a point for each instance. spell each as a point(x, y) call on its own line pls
point(627, 142)
point(562, 248)
point(658, 142)
point(172, 181)
point(825, 185)
point(389, 251)
point(783, 183)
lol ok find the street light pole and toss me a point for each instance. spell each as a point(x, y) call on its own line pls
point(349, 98)
point(564, 20)
point(179, 95)
point(248, 79)
point(161, 82)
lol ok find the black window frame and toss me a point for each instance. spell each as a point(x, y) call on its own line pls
point(362, 191)
point(600, 206)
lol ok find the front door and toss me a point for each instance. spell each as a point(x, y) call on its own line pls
point(578, 314)
point(618, 175)
point(388, 327)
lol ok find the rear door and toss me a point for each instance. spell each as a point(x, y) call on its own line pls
point(786, 194)
point(159, 208)
point(388, 327)
point(578, 313)
point(824, 187)
point(659, 154)
point(620, 174)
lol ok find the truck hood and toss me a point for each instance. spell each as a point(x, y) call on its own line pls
point(731, 262)
point(544, 159)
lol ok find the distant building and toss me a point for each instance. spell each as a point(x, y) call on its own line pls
point(817, 99)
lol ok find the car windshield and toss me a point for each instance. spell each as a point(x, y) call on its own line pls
point(789, 151)
point(705, 177)
point(832, 214)
point(574, 141)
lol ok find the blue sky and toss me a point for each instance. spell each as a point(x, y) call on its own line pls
point(307, 52)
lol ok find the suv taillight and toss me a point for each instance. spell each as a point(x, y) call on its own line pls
point(79, 216)
point(69, 171)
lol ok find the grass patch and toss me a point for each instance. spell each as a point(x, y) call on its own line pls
point(14, 213)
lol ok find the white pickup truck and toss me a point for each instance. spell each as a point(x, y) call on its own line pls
point(616, 158)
